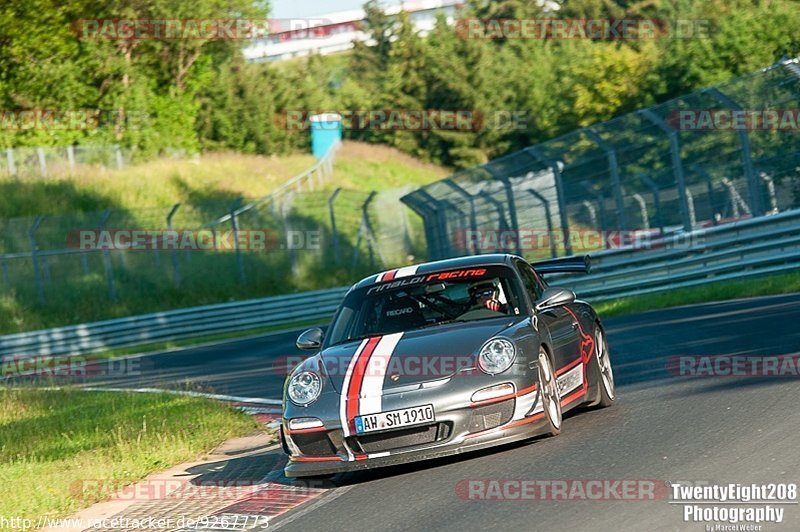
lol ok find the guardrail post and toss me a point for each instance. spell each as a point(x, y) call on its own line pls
point(12, 168)
point(107, 266)
point(555, 167)
point(334, 232)
point(35, 258)
point(235, 227)
point(176, 270)
point(656, 200)
point(677, 164)
point(753, 188)
point(550, 236)
point(42, 161)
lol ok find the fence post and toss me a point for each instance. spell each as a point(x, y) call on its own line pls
point(235, 227)
point(35, 258)
point(175, 266)
point(656, 199)
point(512, 207)
point(334, 232)
point(42, 161)
point(71, 157)
point(118, 156)
point(601, 210)
point(677, 164)
point(107, 265)
point(613, 167)
point(773, 199)
point(473, 219)
point(546, 204)
point(534, 152)
point(753, 188)
point(643, 208)
point(710, 186)
point(6, 280)
point(12, 168)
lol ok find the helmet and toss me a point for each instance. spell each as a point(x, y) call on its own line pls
point(483, 289)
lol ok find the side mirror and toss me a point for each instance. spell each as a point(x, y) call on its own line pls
point(310, 339)
point(555, 297)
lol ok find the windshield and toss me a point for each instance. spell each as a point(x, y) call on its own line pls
point(426, 300)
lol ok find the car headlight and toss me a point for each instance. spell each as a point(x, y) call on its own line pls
point(304, 388)
point(496, 356)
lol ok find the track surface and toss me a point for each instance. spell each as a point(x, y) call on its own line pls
point(665, 428)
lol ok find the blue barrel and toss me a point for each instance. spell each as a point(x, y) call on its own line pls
point(326, 132)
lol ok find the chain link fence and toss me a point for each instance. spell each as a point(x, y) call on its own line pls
point(720, 154)
point(303, 236)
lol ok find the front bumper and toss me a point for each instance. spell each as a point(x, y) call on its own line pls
point(460, 427)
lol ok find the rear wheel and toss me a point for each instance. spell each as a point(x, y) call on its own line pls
point(548, 393)
point(605, 374)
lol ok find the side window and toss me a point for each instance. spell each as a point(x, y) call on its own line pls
point(532, 284)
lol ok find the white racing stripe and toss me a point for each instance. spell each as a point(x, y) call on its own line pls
point(345, 386)
point(372, 385)
point(405, 272)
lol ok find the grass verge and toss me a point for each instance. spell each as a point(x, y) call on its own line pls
point(716, 291)
point(51, 440)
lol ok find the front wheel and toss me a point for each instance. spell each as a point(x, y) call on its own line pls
point(605, 374)
point(548, 393)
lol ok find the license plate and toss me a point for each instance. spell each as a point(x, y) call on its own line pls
point(395, 419)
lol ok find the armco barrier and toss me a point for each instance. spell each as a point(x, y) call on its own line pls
point(740, 250)
point(173, 325)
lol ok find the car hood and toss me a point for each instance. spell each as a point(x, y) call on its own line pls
point(415, 356)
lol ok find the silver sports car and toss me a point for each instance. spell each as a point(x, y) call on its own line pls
point(442, 358)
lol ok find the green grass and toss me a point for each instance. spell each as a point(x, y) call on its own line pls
point(76, 292)
point(51, 440)
point(715, 291)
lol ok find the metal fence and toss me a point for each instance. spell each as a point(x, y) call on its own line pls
point(739, 250)
point(309, 236)
point(55, 160)
point(658, 170)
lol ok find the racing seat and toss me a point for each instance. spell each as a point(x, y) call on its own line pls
point(401, 314)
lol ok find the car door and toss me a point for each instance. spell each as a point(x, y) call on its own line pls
point(563, 328)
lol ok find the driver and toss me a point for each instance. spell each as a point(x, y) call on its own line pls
point(485, 295)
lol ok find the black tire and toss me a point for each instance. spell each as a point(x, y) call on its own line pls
point(548, 393)
point(601, 367)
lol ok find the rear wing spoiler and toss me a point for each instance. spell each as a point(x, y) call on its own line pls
point(574, 264)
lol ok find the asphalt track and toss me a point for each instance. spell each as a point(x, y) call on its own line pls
point(705, 430)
